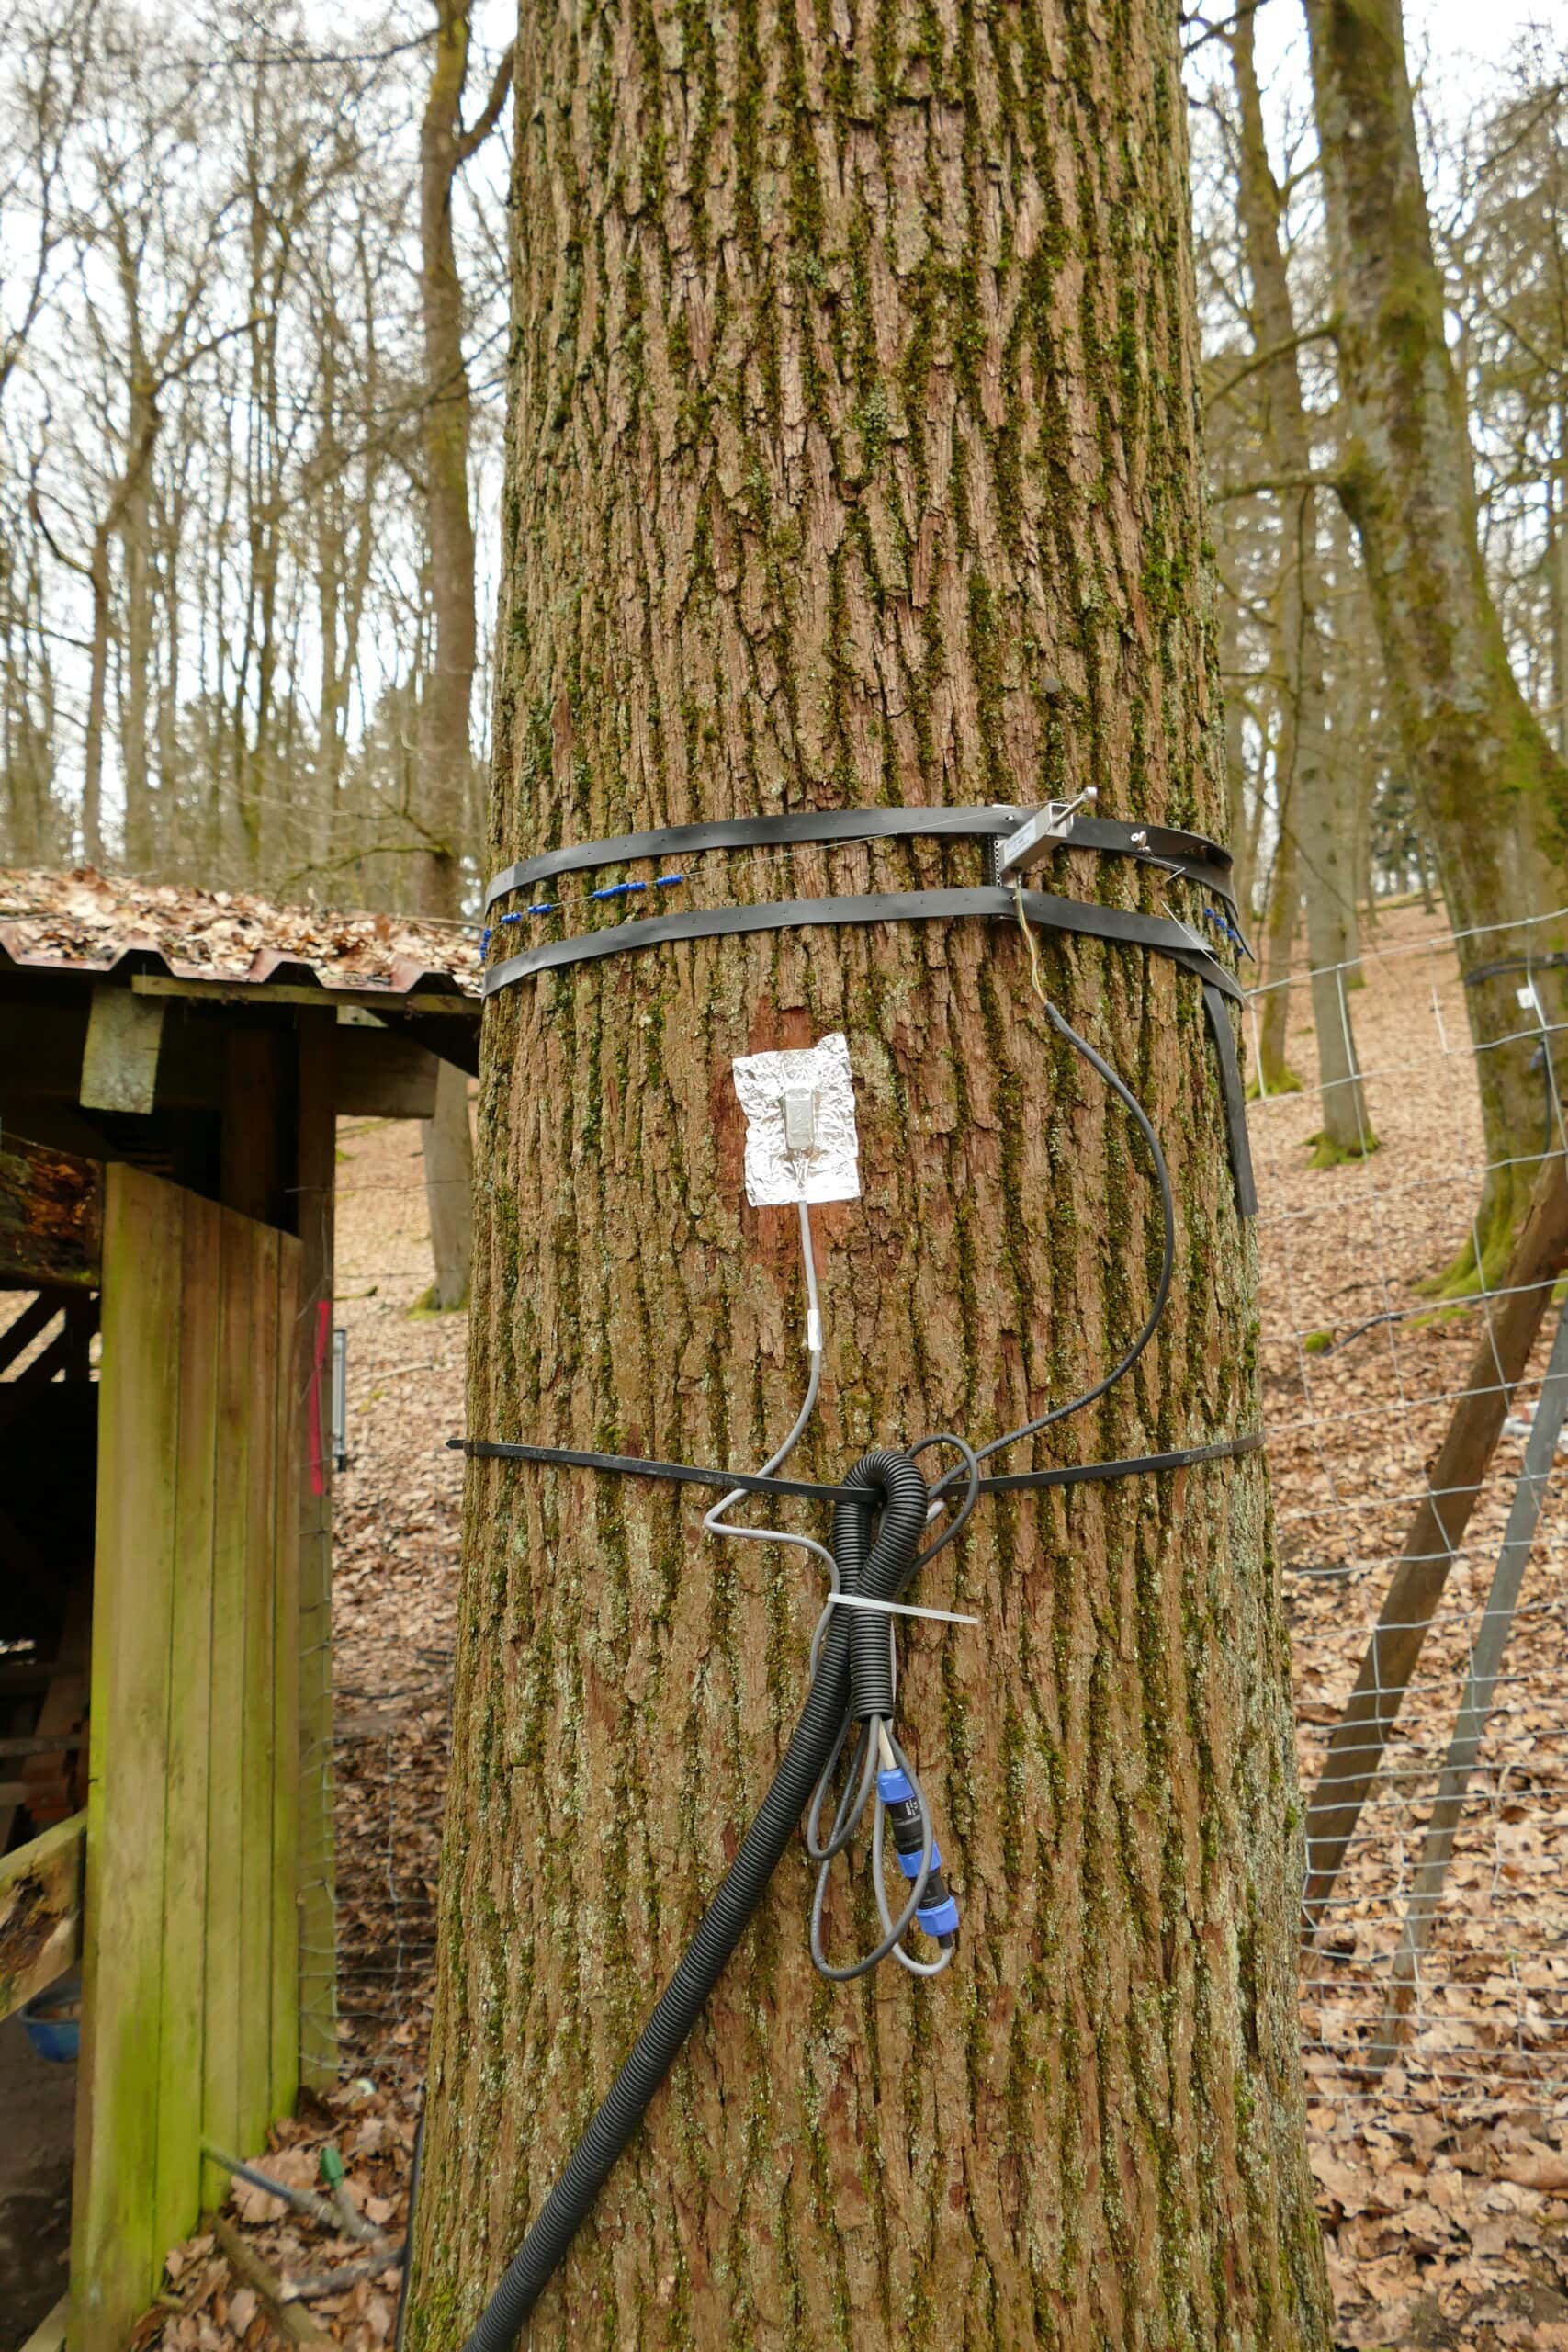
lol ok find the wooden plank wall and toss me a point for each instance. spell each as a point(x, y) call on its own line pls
point(190, 1959)
point(320, 1043)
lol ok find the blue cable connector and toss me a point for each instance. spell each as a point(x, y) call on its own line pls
point(938, 1915)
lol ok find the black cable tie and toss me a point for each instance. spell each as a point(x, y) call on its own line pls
point(629, 1465)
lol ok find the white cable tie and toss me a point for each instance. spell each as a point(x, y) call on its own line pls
point(813, 1332)
point(895, 1608)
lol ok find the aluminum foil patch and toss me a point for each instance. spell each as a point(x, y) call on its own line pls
point(801, 1143)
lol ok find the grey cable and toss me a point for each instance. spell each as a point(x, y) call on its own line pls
point(714, 1521)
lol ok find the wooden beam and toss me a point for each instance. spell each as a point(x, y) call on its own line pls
point(378, 1075)
point(50, 2332)
point(453, 1039)
point(29, 1325)
point(259, 994)
point(1453, 1489)
point(51, 1216)
point(40, 1912)
point(55, 1790)
point(258, 1118)
point(120, 1061)
point(15, 1395)
point(23, 1676)
point(386, 1064)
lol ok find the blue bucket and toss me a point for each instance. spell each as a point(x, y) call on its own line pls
point(52, 2023)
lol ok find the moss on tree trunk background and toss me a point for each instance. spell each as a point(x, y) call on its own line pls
point(853, 399)
point(1492, 790)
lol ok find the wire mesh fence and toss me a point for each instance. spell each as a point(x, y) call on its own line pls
point(1438, 1971)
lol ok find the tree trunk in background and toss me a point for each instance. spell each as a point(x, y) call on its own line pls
point(134, 529)
point(1332, 948)
point(98, 585)
point(1311, 794)
point(854, 394)
point(1494, 792)
point(1560, 581)
point(445, 750)
point(1241, 821)
point(1281, 914)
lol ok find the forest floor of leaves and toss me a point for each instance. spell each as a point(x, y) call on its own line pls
point(1443, 2184)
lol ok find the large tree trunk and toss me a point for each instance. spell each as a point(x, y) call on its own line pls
point(1492, 790)
point(1310, 795)
point(853, 395)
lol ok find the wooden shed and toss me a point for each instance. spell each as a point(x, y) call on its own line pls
point(167, 1145)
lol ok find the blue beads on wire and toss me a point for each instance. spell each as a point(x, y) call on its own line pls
point(1223, 923)
point(553, 907)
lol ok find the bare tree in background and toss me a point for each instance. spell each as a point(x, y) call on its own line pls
point(446, 753)
point(1493, 788)
point(1315, 813)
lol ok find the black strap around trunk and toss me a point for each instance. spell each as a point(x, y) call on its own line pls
point(1190, 853)
point(632, 1465)
point(1194, 855)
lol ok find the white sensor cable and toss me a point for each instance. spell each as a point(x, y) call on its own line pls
point(714, 1521)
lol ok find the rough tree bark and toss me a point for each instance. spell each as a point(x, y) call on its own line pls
point(1492, 790)
point(1312, 779)
point(445, 752)
point(853, 393)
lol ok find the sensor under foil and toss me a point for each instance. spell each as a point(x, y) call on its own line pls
point(801, 1143)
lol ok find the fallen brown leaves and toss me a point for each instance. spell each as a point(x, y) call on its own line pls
point(88, 917)
point(206, 2308)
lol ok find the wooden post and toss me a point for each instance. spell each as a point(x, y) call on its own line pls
point(117, 2114)
point(314, 1179)
point(120, 1061)
point(257, 1084)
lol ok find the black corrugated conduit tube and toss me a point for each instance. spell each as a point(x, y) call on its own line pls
point(879, 1569)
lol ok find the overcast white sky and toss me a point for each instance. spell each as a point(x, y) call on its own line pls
point(1444, 38)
